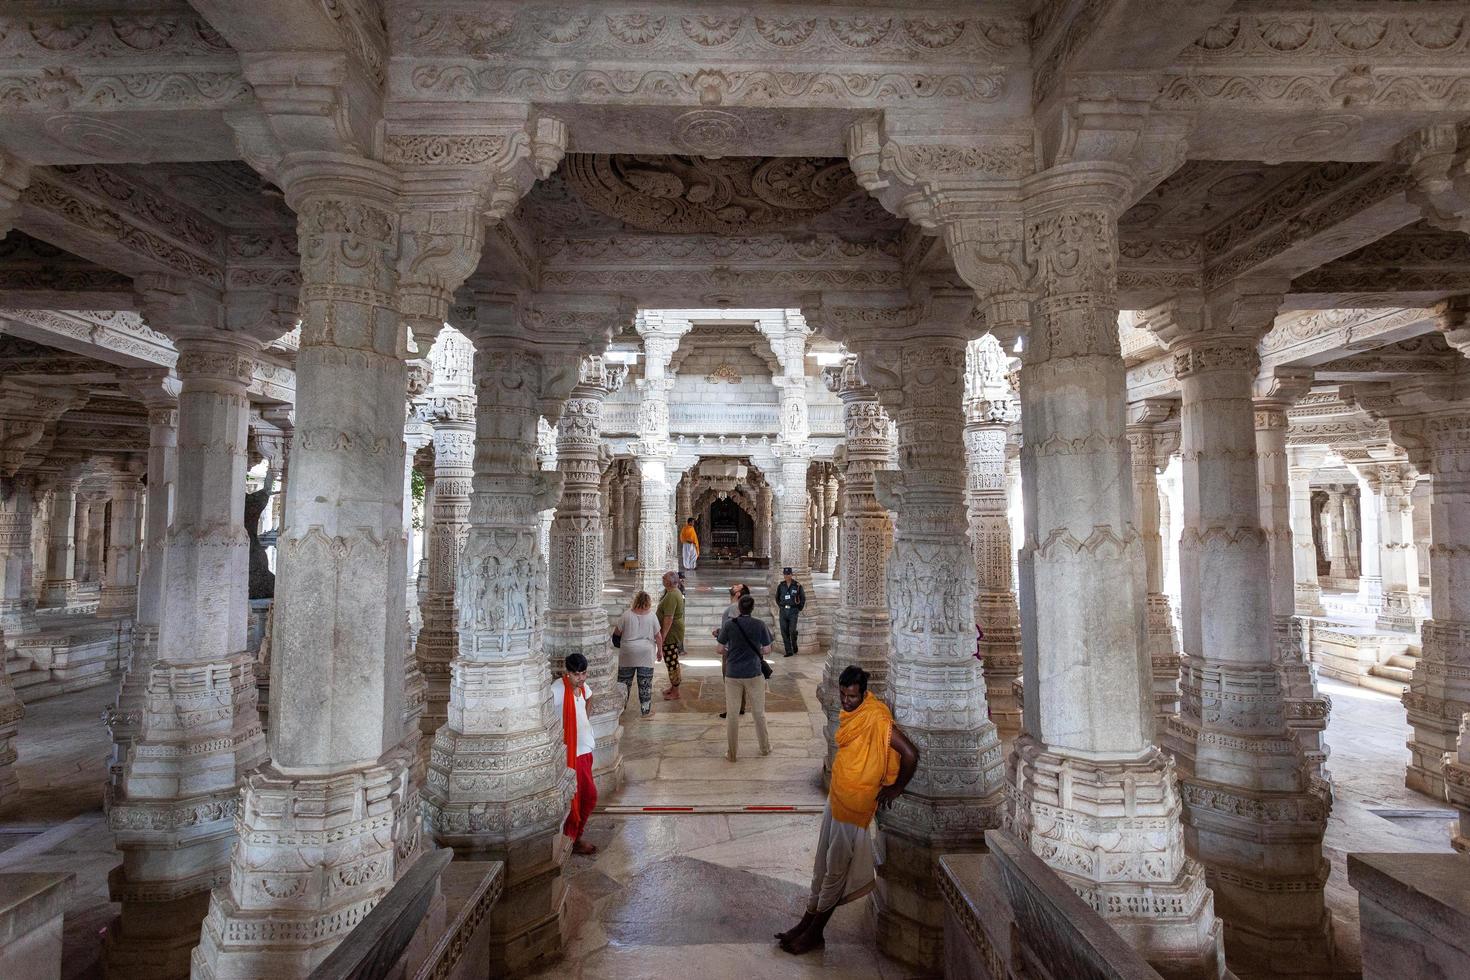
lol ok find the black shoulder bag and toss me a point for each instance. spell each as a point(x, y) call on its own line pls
point(766, 670)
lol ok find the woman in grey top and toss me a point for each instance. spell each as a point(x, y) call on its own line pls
point(744, 642)
point(640, 644)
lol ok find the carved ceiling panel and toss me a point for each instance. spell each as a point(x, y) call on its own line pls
point(1202, 194)
point(700, 195)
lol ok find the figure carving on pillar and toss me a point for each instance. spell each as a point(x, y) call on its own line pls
point(1149, 444)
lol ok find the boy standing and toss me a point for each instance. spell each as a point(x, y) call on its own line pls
point(570, 696)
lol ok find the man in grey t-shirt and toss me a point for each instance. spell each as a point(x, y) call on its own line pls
point(731, 611)
point(744, 641)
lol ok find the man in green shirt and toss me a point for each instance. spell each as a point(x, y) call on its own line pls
point(671, 623)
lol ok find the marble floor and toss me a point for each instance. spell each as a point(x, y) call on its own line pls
point(686, 891)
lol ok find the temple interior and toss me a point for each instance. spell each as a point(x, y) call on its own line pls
point(1098, 367)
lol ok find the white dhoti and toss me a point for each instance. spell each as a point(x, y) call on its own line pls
point(843, 870)
point(691, 555)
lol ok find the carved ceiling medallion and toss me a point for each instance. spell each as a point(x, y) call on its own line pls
point(699, 195)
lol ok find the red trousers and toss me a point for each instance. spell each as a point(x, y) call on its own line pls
point(585, 800)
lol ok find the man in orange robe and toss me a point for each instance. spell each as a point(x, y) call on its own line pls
point(689, 538)
point(873, 764)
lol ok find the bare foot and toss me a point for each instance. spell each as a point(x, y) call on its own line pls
point(798, 929)
point(583, 847)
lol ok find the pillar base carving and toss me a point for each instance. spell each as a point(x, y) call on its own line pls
point(60, 593)
point(154, 940)
point(1400, 611)
point(115, 601)
point(438, 643)
point(1251, 802)
point(316, 853)
point(1436, 701)
point(11, 713)
point(488, 813)
point(1111, 831)
point(1309, 599)
point(1306, 711)
point(1457, 789)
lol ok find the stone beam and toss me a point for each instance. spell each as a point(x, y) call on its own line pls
point(117, 337)
point(1276, 81)
point(83, 87)
point(659, 80)
point(1417, 266)
point(93, 213)
point(1313, 337)
point(1070, 38)
point(1310, 219)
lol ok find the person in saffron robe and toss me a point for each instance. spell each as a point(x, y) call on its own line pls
point(873, 764)
point(689, 538)
point(570, 695)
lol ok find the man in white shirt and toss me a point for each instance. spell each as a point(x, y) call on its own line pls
point(580, 741)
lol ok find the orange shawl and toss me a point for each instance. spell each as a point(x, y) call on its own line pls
point(864, 763)
point(569, 720)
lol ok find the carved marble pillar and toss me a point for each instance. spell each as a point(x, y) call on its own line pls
point(120, 584)
point(1370, 576)
point(124, 719)
point(1350, 521)
point(934, 684)
point(629, 520)
point(1094, 796)
point(1439, 692)
point(173, 809)
point(576, 621)
point(794, 451)
point(861, 625)
point(608, 497)
point(1147, 447)
point(990, 410)
point(831, 532)
point(816, 488)
point(1337, 555)
point(684, 507)
point(333, 820)
point(82, 537)
point(97, 538)
point(451, 411)
point(1302, 463)
point(17, 514)
point(1398, 558)
point(1233, 741)
point(417, 434)
point(16, 603)
point(61, 555)
point(653, 451)
point(764, 517)
point(498, 785)
point(1306, 711)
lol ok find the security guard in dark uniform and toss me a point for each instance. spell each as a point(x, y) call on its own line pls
point(791, 598)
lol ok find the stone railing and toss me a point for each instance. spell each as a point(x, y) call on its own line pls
point(1415, 914)
point(1009, 917)
point(430, 926)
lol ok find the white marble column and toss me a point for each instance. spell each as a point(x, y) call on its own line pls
point(1370, 576)
point(16, 603)
point(608, 499)
point(861, 625)
point(1094, 797)
point(1302, 463)
point(935, 686)
point(629, 519)
point(449, 406)
point(417, 434)
point(1147, 447)
point(173, 809)
point(82, 536)
point(61, 548)
point(991, 408)
point(1306, 711)
point(1438, 697)
point(17, 574)
point(1337, 555)
point(764, 517)
point(1233, 742)
point(576, 621)
point(1398, 558)
point(120, 582)
point(333, 820)
point(793, 450)
point(653, 451)
point(1353, 540)
point(498, 785)
point(97, 538)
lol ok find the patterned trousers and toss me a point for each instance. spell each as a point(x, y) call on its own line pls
point(645, 686)
point(672, 653)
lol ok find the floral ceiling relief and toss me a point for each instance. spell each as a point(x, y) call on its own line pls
point(700, 195)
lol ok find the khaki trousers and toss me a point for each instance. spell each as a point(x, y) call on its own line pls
point(754, 689)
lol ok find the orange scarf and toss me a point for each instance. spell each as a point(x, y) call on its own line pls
point(569, 720)
point(864, 763)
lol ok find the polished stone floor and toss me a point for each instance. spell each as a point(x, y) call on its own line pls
point(686, 892)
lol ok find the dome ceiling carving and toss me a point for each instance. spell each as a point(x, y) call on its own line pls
point(701, 195)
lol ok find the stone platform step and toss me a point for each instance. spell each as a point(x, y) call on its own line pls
point(1403, 660)
point(1382, 685)
point(1400, 675)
